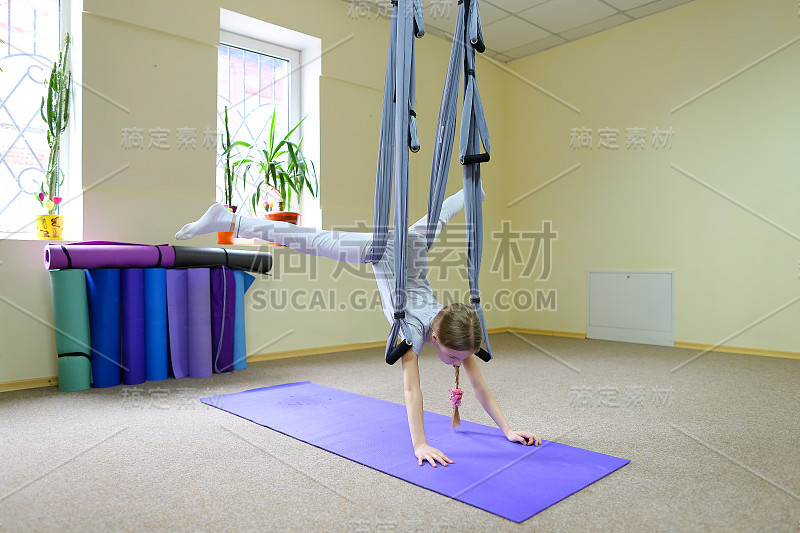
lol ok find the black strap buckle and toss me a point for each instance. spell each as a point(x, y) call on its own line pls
point(401, 314)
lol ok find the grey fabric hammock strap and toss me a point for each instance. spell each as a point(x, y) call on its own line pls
point(467, 39)
point(398, 136)
point(398, 126)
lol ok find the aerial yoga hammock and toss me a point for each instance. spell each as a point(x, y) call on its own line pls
point(399, 135)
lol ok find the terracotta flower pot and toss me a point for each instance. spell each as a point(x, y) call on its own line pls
point(48, 227)
point(224, 237)
point(282, 216)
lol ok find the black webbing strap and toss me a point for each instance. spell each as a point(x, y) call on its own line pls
point(66, 252)
point(75, 354)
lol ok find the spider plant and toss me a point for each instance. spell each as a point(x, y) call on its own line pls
point(284, 169)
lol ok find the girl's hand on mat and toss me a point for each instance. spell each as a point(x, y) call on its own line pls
point(523, 437)
point(431, 454)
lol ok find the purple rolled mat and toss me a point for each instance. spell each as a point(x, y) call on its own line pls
point(178, 321)
point(199, 319)
point(489, 472)
point(133, 328)
point(223, 318)
point(106, 254)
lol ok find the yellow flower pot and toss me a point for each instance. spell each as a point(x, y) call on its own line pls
point(48, 227)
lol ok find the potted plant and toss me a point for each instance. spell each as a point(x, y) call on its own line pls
point(231, 169)
point(286, 171)
point(55, 113)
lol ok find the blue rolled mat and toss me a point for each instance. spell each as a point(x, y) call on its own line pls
point(223, 318)
point(199, 315)
point(133, 328)
point(178, 321)
point(488, 472)
point(243, 282)
point(155, 323)
point(103, 287)
point(71, 327)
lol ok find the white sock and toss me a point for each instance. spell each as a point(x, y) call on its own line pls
point(216, 218)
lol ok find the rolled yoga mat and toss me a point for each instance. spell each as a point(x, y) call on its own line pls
point(243, 282)
point(489, 472)
point(106, 254)
point(223, 318)
point(199, 319)
point(71, 326)
point(178, 321)
point(155, 323)
point(103, 287)
point(187, 256)
point(133, 327)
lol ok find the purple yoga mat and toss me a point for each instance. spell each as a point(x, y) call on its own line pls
point(223, 318)
point(199, 319)
point(133, 328)
point(106, 254)
point(178, 321)
point(489, 472)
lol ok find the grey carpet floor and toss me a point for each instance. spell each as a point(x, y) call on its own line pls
point(713, 447)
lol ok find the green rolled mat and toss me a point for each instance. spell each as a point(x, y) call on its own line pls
point(71, 321)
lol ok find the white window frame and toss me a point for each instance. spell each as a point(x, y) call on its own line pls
point(262, 47)
point(71, 141)
point(247, 32)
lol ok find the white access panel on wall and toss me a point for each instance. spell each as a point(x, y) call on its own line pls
point(631, 306)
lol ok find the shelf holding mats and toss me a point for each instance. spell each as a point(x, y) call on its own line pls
point(133, 328)
point(155, 316)
point(103, 288)
point(133, 325)
point(71, 326)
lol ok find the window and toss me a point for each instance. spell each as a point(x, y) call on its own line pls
point(254, 80)
point(263, 68)
point(31, 31)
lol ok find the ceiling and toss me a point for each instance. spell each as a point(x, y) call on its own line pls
point(513, 29)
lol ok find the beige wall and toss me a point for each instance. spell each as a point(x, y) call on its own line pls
point(632, 210)
point(618, 210)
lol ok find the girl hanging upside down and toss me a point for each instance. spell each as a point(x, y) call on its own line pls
point(454, 330)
